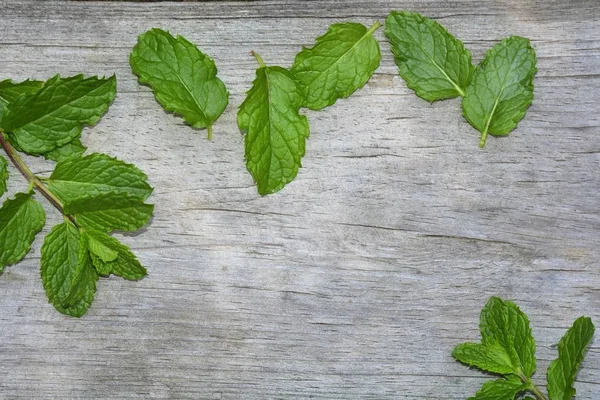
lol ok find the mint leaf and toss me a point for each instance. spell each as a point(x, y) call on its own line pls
point(73, 149)
point(100, 249)
point(433, 63)
point(571, 351)
point(275, 131)
point(183, 78)
point(501, 89)
point(3, 175)
point(341, 61)
point(493, 358)
point(110, 211)
point(501, 389)
point(10, 92)
point(97, 174)
point(503, 323)
point(125, 264)
point(67, 275)
point(55, 115)
point(21, 219)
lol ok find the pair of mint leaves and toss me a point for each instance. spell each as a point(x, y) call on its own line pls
point(96, 194)
point(507, 348)
point(436, 65)
point(185, 81)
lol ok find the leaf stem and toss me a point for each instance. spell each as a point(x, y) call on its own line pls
point(483, 138)
point(374, 27)
point(532, 387)
point(209, 129)
point(261, 63)
point(32, 179)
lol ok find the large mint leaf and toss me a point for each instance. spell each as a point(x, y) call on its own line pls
point(97, 174)
point(341, 61)
point(275, 131)
point(124, 264)
point(501, 389)
point(110, 211)
point(55, 115)
point(503, 324)
point(21, 218)
point(433, 63)
point(183, 78)
point(3, 174)
point(571, 351)
point(10, 92)
point(73, 149)
point(493, 358)
point(67, 275)
point(501, 89)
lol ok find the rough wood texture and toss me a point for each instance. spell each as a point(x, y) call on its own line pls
point(356, 280)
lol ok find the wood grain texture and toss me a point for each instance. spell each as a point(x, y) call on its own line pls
point(358, 279)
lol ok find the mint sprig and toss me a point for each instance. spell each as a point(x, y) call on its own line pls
point(507, 348)
point(96, 194)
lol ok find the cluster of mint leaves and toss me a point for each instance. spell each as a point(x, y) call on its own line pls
point(507, 348)
point(96, 194)
point(436, 65)
point(185, 82)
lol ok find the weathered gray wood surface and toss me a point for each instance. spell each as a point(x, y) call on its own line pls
point(358, 279)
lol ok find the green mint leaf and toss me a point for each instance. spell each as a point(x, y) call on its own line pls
point(503, 324)
point(501, 389)
point(10, 92)
point(97, 174)
point(433, 63)
point(67, 275)
point(341, 61)
point(3, 175)
point(571, 351)
point(73, 149)
point(501, 89)
point(110, 211)
point(100, 249)
point(275, 131)
point(125, 264)
point(183, 78)
point(21, 219)
point(55, 115)
point(492, 358)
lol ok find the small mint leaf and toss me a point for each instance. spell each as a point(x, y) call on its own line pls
point(55, 115)
point(493, 358)
point(125, 264)
point(501, 389)
point(73, 149)
point(571, 351)
point(21, 218)
point(183, 78)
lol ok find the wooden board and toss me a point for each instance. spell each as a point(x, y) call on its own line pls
point(356, 280)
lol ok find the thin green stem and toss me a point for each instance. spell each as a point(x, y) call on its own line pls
point(373, 28)
point(261, 63)
point(209, 129)
point(32, 179)
point(483, 138)
point(532, 387)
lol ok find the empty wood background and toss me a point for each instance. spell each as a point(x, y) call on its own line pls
point(358, 279)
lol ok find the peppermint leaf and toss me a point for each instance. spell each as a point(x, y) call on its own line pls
point(125, 264)
point(340, 62)
point(275, 131)
point(110, 211)
point(501, 89)
point(10, 92)
point(571, 351)
point(67, 275)
point(100, 249)
point(21, 218)
point(73, 149)
point(433, 63)
point(55, 115)
point(501, 389)
point(183, 78)
point(493, 358)
point(3, 175)
point(97, 174)
point(503, 324)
